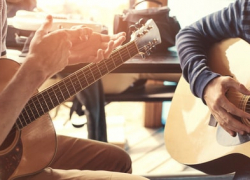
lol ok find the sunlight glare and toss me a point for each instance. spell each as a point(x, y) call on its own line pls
point(96, 10)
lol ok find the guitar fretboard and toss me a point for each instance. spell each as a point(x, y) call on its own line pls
point(51, 97)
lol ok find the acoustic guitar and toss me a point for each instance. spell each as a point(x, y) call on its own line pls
point(192, 138)
point(31, 144)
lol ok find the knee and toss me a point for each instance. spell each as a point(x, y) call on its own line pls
point(120, 160)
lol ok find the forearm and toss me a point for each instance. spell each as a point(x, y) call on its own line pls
point(13, 98)
point(193, 44)
point(192, 51)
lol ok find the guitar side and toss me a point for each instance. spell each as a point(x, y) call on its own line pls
point(189, 138)
point(35, 145)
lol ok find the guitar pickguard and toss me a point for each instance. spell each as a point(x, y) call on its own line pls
point(225, 139)
point(10, 161)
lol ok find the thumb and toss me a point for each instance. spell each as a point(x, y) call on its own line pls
point(46, 26)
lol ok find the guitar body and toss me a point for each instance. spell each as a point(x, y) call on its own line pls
point(189, 138)
point(31, 149)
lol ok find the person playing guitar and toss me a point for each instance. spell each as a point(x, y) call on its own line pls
point(212, 87)
point(67, 157)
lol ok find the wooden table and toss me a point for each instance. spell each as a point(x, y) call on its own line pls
point(155, 63)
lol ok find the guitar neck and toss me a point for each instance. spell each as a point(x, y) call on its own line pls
point(51, 97)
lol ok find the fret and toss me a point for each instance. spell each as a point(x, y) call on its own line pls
point(95, 71)
point(18, 123)
point(60, 87)
point(89, 76)
point(82, 79)
point(117, 59)
point(75, 83)
point(30, 116)
point(63, 81)
point(53, 97)
point(134, 48)
point(27, 115)
point(48, 99)
point(125, 54)
point(69, 85)
point(128, 51)
point(110, 63)
point(39, 106)
point(34, 102)
point(120, 60)
point(44, 102)
point(63, 91)
point(102, 67)
point(79, 81)
point(73, 86)
point(58, 93)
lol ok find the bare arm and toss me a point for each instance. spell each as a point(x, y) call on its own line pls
point(42, 62)
point(13, 98)
point(49, 53)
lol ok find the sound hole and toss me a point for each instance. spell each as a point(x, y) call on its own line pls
point(9, 140)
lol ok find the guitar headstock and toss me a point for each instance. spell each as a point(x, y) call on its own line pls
point(146, 37)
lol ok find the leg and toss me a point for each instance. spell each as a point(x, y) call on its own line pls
point(87, 154)
point(55, 174)
point(84, 159)
point(93, 99)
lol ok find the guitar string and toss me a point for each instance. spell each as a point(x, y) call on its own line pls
point(93, 77)
point(62, 94)
point(243, 106)
point(120, 53)
point(95, 70)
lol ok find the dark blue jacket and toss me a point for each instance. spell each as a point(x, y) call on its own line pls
point(193, 41)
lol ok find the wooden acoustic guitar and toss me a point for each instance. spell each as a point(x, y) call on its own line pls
point(189, 138)
point(31, 144)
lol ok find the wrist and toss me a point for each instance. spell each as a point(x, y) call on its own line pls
point(33, 72)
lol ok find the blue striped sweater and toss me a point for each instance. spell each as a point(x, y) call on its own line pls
point(193, 41)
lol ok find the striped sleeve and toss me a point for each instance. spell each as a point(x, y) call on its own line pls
point(192, 43)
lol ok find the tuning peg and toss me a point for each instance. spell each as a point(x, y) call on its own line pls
point(144, 31)
point(140, 35)
point(142, 55)
point(137, 25)
point(142, 22)
point(153, 48)
point(132, 28)
point(149, 27)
